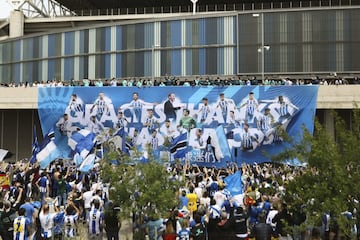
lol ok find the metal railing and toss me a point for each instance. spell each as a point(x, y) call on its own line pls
point(218, 7)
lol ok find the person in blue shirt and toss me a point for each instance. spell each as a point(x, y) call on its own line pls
point(29, 209)
point(183, 200)
point(59, 225)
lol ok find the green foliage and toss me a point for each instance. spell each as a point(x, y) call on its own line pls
point(330, 181)
point(142, 188)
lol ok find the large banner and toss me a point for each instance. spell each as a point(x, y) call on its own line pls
point(209, 126)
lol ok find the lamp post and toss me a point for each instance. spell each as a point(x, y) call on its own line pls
point(194, 6)
point(153, 61)
point(263, 47)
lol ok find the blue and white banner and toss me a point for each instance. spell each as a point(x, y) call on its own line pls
point(209, 126)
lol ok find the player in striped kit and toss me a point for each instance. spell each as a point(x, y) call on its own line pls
point(285, 109)
point(265, 124)
point(251, 107)
point(21, 226)
point(136, 106)
point(76, 106)
point(151, 121)
point(247, 139)
point(70, 220)
point(225, 104)
point(204, 110)
point(43, 185)
point(95, 222)
point(101, 104)
point(154, 141)
point(121, 121)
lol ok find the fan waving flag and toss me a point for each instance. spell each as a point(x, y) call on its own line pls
point(35, 148)
point(234, 184)
point(82, 142)
point(179, 146)
point(48, 150)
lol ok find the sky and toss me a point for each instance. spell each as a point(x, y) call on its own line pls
point(5, 9)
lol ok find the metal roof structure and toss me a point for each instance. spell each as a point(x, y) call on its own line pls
point(159, 6)
point(40, 8)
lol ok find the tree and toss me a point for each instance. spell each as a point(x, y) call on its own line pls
point(330, 182)
point(142, 189)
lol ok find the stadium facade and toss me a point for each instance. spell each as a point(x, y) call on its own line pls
point(304, 42)
point(311, 41)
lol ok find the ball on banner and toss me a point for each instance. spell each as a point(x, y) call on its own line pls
point(237, 137)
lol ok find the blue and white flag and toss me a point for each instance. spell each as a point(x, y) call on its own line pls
point(220, 145)
point(82, 142)
point(77, 159)
point(35, 147)
point(48, 150)
point(234, 184)
point(179, 146)
point(88, 163)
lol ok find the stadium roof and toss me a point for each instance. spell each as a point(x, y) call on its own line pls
point(185, 5)
point(108, 4)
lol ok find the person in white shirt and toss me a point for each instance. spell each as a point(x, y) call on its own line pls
point(168, 131)
point(64, 125)
point(225, 104)
point(220, 198)
point(75, 106)
point(113, 82)
point(136, 106)
point(200, 140)
point(101, 105)
point(87, 197)
point(121, 121)
point(94, 125)
point(47, 222)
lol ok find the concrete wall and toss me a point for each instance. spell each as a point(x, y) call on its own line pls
point(329, 97)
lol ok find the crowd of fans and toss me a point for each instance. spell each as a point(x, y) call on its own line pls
point(52, 203)
point(196, 81)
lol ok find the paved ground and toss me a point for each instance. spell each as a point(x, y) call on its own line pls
point(125, 231)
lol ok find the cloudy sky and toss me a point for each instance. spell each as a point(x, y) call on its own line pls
point(4, 9)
